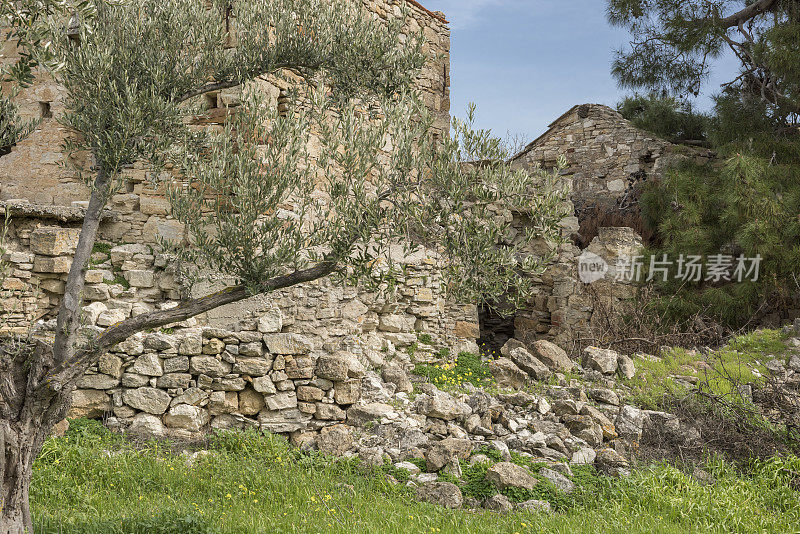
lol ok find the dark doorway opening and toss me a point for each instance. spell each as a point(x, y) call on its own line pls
point(496, 330)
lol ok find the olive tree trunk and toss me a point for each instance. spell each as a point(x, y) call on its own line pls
point(37, 379)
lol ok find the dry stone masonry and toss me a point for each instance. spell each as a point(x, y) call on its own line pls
point(608, 160)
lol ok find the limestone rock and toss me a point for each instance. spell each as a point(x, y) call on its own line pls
point(507, 374)
point(148, 365)
point(271, 322)
point(348, 392)
point(499, 503)
point(442, 493)
point(626, 367)
point(290, 344)
point(146, 399)
point(54, 240)
point(110, 364)
point(443, 451)
point(209, 366)
point(186, 417)
point(174, 381)
point(97, 381)
point(441, 405)
point(552, 356)
point(111, 317)
point(360, 414)
point(508, 475)
point(529, 363)
point(89, 403)
point(558, 480)
point(535, 506)
point(329, 412)
point(147, 426)
point(603, 395)
point(612, 463)
point(332, 368)
point(630, 422)
point(334, 440)
point(252, 366)
point(222, 402)
point(394, 374)
point(602, 360)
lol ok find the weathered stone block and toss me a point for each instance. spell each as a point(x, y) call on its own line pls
point(54, 240)
point(287, 344)
point(145, 399)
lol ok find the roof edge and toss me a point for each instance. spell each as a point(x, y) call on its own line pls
point(428, 11)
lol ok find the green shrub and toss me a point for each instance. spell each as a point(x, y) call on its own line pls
point(667, 117)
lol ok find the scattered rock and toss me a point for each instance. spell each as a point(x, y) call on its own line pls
point(443, 451)
point(334, 440)
point(442, 493)
point(499, 503)
point(528, 363)
point(535, 506)
point(602, 360)
point(558, 480)
point(552, 355)
point(507, 475)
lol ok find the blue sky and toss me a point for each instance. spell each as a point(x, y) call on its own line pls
point(525, 62)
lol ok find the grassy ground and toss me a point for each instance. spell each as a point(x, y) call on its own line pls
point(741, 361)
point(92, 481)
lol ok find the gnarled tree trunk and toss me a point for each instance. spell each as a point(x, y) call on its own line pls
point(27, 416)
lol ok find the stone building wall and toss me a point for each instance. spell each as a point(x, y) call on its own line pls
point(608, 160)
point(34, 171)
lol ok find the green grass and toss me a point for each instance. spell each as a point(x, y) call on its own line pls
point(467, 368)
point(92, 481)
point(739, 361)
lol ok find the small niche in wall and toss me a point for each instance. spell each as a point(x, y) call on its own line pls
point(45, 111)
point(210, 100)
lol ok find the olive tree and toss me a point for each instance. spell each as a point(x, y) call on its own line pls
point(352, 156)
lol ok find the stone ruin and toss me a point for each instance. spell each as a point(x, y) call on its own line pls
point(608, 162)
point(302, 360)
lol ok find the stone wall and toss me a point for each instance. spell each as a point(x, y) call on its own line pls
point(34, 171)
point(608, 162)
point(564, 306)
point(161, 383)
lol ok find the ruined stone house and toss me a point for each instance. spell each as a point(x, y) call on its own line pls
point(608, 162)
point(292, 361)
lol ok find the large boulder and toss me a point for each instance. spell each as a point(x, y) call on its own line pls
point(441, 406)
point(552, 355)
point(442, 493)
point(507, 374)
point(443, 451)
point(508, 475)
point(529, 363)
point(602, 360)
